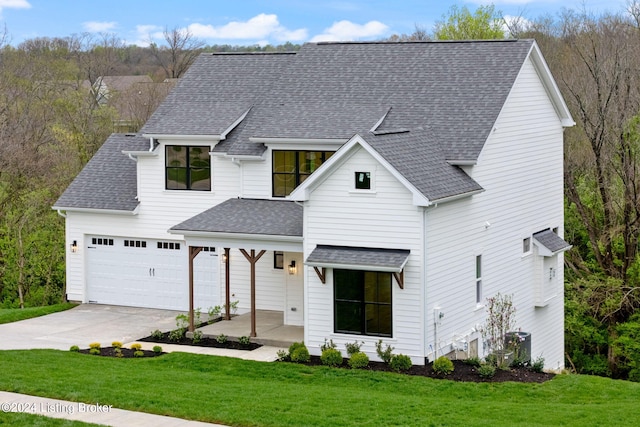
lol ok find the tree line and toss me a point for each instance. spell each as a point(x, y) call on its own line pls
point(50, 125)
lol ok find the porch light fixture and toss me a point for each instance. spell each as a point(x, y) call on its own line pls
point(224, 258)
point(292, 267)
point(74, 246)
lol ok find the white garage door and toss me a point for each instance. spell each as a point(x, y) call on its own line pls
point(147, 273)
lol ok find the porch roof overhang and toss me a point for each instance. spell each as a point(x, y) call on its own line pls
point(358, 258)
point(242, 223)
point(549, 243)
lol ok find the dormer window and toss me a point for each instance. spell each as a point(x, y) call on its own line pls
point(291, 168)
point(187, 168)
point(363, 181)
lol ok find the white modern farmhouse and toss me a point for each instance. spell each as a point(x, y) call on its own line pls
point(365, 190)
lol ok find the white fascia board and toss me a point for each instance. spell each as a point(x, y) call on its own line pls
point(550, 86)
point(242, 241)
point(298, 141)
point(204, 138)
point(456, 197)
point(355, 267)
point(234, 124)
point(97, 211)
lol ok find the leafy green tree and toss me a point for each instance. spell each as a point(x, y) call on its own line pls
point(462, 24)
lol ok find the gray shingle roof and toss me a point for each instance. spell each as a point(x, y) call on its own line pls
point(551, 241)
point(108, 181)
point(421, 160)
point(215, 91)
point(248, 216)
point(374, 258)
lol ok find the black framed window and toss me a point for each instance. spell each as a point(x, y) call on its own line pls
point(278, 260)
point(187, 168)
point(363, 180)
point(362, 302)
point(291, 168)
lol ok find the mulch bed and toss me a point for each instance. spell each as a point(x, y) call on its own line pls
point(461, 372)
point(204, 342)
point(127, 353)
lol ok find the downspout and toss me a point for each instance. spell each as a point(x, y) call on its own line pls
point(236, 162)
point(63, 215)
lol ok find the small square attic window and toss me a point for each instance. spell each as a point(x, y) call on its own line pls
point(363, 180)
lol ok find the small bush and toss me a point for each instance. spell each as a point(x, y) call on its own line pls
point(486, 370)
point(244, 340)
point(95, 351)
point(118, 352)
point(300, 355)
point(538, 365)
point(294, 346)
point(473, 361)
point(353, 347)
point(327, 345)
point(138, 353)
point(491, 359)
point(282, 355)
point(136, 346)
point(95, 345)
point(116, 344)
point(74, 348)
point(331, 357)
point(222, 338)
point(197, 337)
point(176, 335)
point(157, 334)
point(402, 362)
point(359, 360)
point(387, 354)
point(443, 366)
point(157, 349)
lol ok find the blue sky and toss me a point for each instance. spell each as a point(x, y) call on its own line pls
point(247, 22)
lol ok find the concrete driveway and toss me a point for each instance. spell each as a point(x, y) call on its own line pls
point(85, 324)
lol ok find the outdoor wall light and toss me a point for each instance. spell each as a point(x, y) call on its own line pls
point(74, 246)
point(224, 258)
point(292, 267)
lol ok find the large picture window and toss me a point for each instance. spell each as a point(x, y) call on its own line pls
point(291, 168)
point(362, 302)
point(187, 168)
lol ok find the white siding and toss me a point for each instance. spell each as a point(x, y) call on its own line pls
point(383, 218)
point(521, 170)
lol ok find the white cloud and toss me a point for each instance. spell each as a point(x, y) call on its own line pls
point(14, 4)
point(98, 27)
point(259, 27)
point(346, 30)
point(144, 34)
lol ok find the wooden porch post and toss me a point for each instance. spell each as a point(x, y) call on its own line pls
point(193, 252)
point(253, 259)
point(227, 286)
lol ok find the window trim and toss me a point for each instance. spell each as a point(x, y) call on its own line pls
point(188, 168)
point(325, 155)
point(527, 242)
point(366, 182)
point(278, 260)
point(478, 280)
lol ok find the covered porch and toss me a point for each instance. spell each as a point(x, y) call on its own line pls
point(270, 329)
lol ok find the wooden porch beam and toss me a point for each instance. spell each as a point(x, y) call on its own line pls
point(193, 252)
point(322, 274)
point(399, 278)
point(253, 259)
point(227, 286)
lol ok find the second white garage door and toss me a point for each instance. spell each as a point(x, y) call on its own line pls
point(149, 273)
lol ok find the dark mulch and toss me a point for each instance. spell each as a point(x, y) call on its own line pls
point(204, 342)
point(461, 372)
point(127, 353)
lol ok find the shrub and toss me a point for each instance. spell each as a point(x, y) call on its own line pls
point(402, 362)
point(500, 319)
point(74, 348)
point(136, 346)
point(331, 357)
point(353, 347)
point(491, 359)
point(157, 349)
point(95, 345)
point(157, 334)
point(300, 354)
point(282, 355)
point(177, 334)
point(387, 354)
point(294, 346)
point(118, 352)
point(327, 345)
point(116, 344)
point(486, 370)
point(443, 366)
point(138, 353)
point(472, 361)
point(244, 340)
point(221, 339)
point(197, 337)
point(94, 350)
point(359, 360)
point(538, 365)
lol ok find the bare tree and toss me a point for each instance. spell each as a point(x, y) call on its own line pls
point(181, 50)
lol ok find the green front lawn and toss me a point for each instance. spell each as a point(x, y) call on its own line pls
point(237, 392)
point(8, 315)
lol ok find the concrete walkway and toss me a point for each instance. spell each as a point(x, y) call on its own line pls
point(95, 413)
